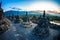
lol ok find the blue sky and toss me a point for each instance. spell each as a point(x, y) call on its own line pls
point(6, 4)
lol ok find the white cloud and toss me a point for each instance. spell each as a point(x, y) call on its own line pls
point(42, 6)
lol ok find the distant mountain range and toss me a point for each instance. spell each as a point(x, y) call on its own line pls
point(12, 12)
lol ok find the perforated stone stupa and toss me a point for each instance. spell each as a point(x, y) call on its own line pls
point(42, 29)
point(26, 21)
point(4, 22)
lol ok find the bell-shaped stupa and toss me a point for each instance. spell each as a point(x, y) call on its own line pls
point(4, 22)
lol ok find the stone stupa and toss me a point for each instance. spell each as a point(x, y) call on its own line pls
point(26, 21)
point(4, 22)
point(17, 19)
point(42, 29)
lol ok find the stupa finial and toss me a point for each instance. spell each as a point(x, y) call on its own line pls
point(44, 13)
